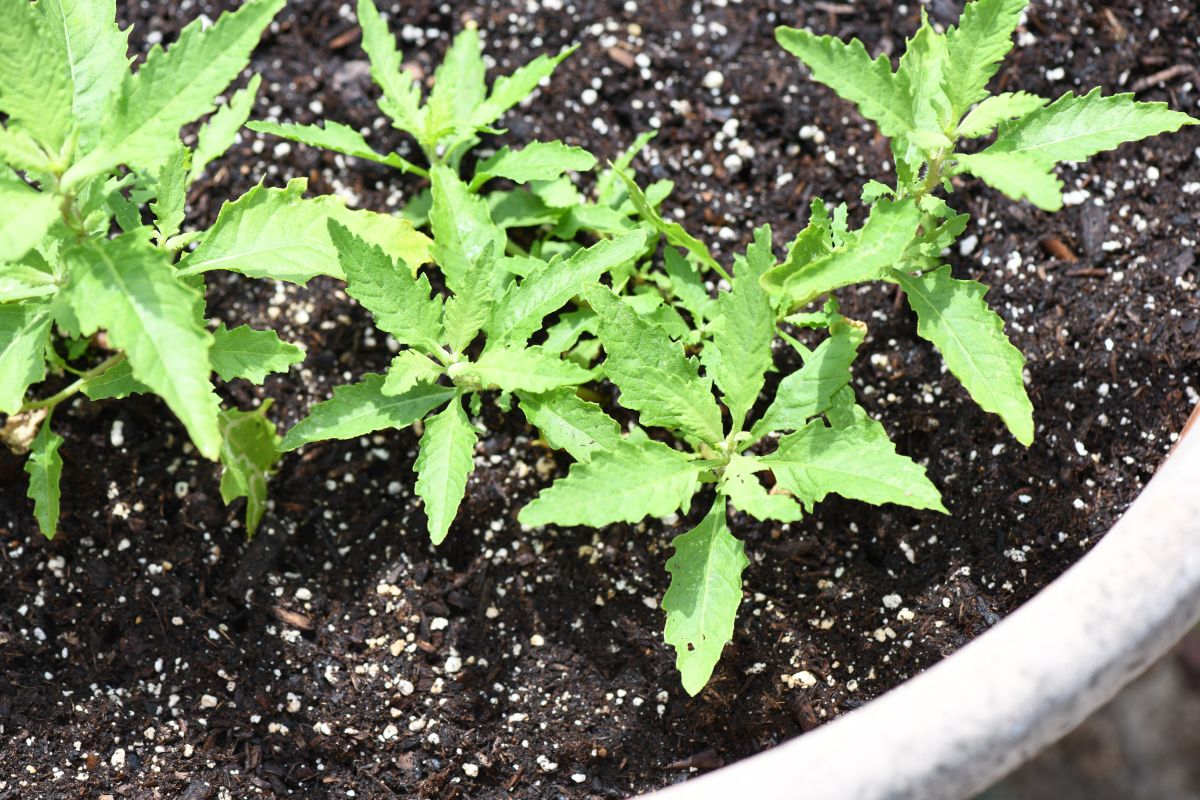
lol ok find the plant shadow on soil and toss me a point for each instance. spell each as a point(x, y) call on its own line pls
point(151, 651)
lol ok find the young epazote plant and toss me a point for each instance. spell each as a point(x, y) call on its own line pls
point(87, 143)
point(937, 97)
point(438, 366)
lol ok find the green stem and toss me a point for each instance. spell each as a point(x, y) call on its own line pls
point(74, 389)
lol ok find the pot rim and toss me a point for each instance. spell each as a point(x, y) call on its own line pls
point(969, 720)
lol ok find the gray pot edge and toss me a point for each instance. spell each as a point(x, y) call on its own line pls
point(968, 721)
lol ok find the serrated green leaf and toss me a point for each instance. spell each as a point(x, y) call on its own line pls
point(1019, 176)
point(627, 483)
point(953, 315)
point(470, 307)
point(809, 390)
point(115, 383)
point(96, 60)
point(170, 196)
point(520, 311)
point(20, 282)
point(24, 332)
point(401, 93)
point(703, 598)
point(173, 88)
point(336, 137)
point(280, 234)
point(673, 232)
point(508, 90)
point(444, 462)
point(462, 228)
point(984, 118)
point(687, 286)
point(858, 463)
point(1076, 127)
point(44, 467)
point(740, 483)
point(249, 457)
point(459, 87)
point(571, 325)
point(400, 303)
point(19, 151)
point(568, 422)
point(866, 254)
point(514, 369)
point(814, 242)
point(217, 135)
point(35, 89)
point(129, 288)
point(251, 354)
point(357, 409)
point(609, 190)
point(407, 370)
point(920, 76)
point(740, 353)
point(656, 379)
point(846, 68)
point(536, 161)
point(27, 215)
point(976, 47)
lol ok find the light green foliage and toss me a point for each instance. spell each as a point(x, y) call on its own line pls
point(44, 468)
point(808, 391)
point(537, 161)
point(976, 47)
point(244, 352)
point(35, 92)
point(28, 214)
point(521, 369)
point(459, 107)
point(92, 51)
point(864, 256)
point(462, 230)
point(858, 462)
point(740, 353)
point(219, 132)
point(401, 93)
point(280, 234)
point(673, 232)
point(249, 456)
point(985, 117)
point(169, 204)
point(568, 422)
point(1017, 175)
point(703, 598)
point(24, 331)
point(400, 302)
point(846, 68)
point(1076, 127)
point(444, 463)
point(87, 143)
point(953, 315)
point(130, 289)
point(741, 484)
point(357, 409)
point(623, 483)
point(336, 137)
point(656, 378)
point(409, 368)
point(518, 314)
point(172, 88)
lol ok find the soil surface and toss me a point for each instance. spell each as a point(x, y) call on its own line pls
point(150, 651)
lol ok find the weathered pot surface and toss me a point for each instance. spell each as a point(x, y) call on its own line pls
point(968, 721)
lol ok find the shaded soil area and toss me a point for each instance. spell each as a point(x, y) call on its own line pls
point(151, 651)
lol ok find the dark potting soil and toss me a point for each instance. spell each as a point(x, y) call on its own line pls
point(151, 651)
